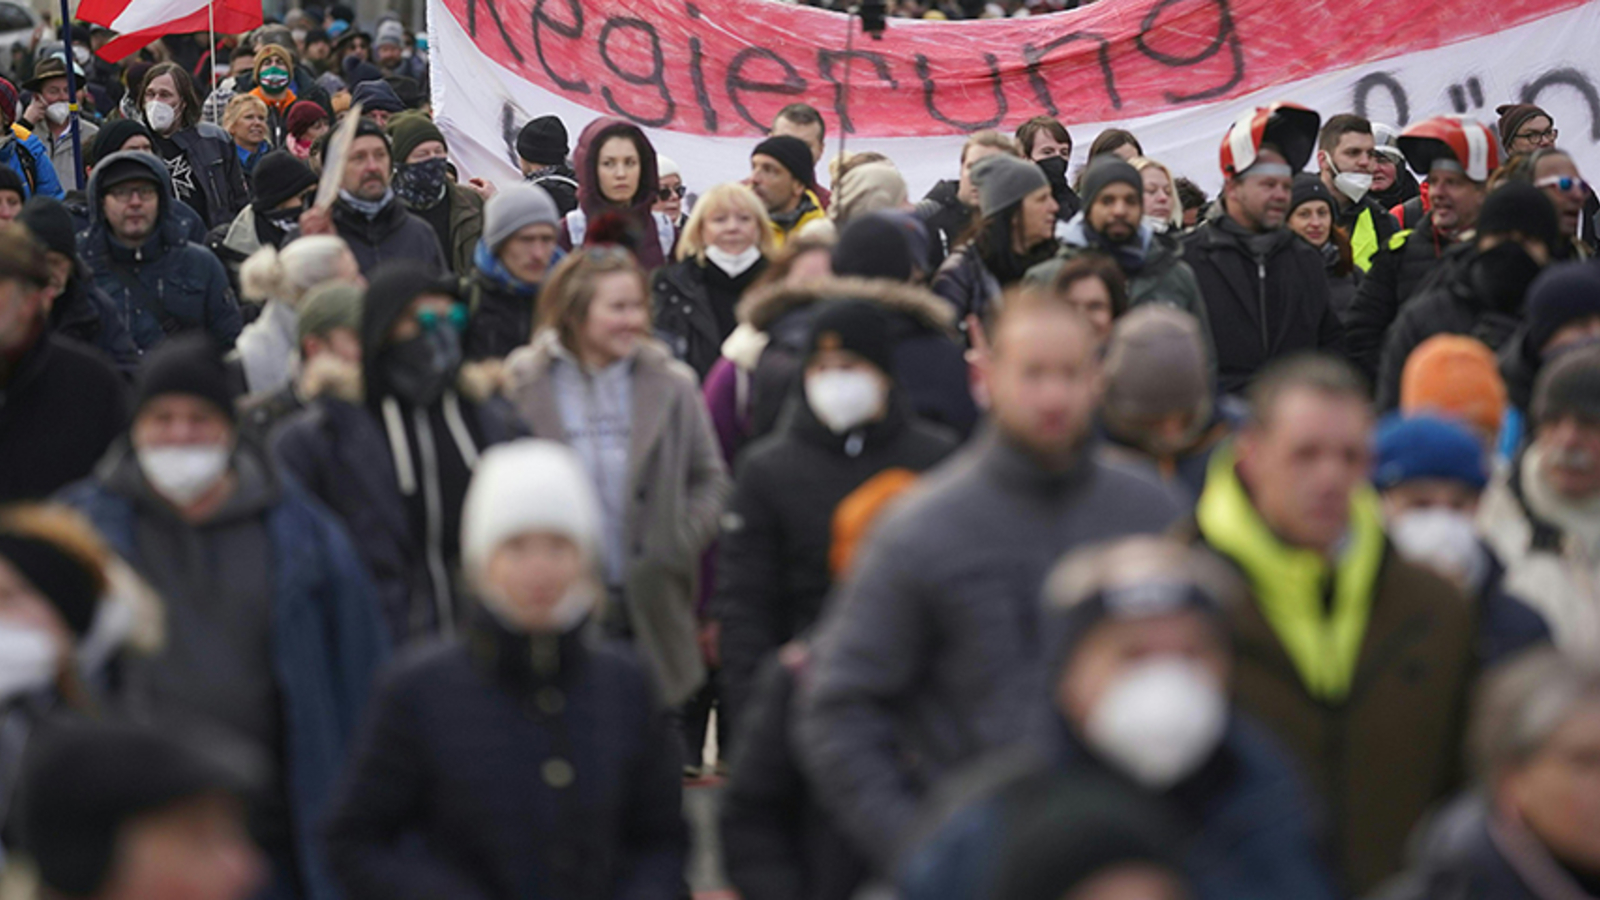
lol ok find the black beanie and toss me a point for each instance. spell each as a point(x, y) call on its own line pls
point(873, 246)
point(1568, 386)
point(11, 181)
point(279, 176)
point(187, 364)
point(82, 780)
point(858, 326)
point(1106, 170)
point(51, 224)
point(543, 141)
point(791, 153)
point(1562, 294)
point(65, 580)
point(364, 128)
point(111, 137)
point(1521, 208)
point(1309, 187)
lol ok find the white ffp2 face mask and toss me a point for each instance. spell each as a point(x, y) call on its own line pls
point(1159, 721)
point(843, 399)
point(734, 264)
point(1353, 185)
point(160, 115)
point(58, 113)
point(1445, 541)
point(183, 473)
point(28, 660)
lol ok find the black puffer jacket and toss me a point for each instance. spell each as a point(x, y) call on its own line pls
point(1457, 300)
point(947, 218)
point(60, 408)
point(502, 319)
point(686, 296)
point(395, 233)
point(1267, 296)
point(773, 568)
point(1397, 272)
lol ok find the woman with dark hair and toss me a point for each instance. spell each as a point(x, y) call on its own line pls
point(617, 181)
point(1311, 216)
point(1016, 231)
point(1118, 142)
point(205, 168)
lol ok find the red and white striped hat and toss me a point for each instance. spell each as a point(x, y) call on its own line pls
point(1288, 126)
point(1469, 143)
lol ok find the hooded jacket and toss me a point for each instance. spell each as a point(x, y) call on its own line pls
point(773, 570)
point(394, 233)
point(652, 234)
point(1266, 297)
point(1399, 269)
point(167, 284)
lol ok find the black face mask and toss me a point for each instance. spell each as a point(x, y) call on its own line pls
point(419, 370)
point(272, 227)
point(1055, 171)
point(1504, 273)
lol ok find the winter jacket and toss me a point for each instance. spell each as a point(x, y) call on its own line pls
point(1550, 564)
point(340, 450)
point(502, 318)
point(166, 285)
point(965, 282)
point(773, 568)
point(234, 242)
point(269, 347)
point(327, 642)
point(220, 176)
point(1341, 288)
point(787, 225)
point(61, 406)
point(560, 182)
point(394, 233)
point(685, 318)
point(676, 490)
point(478, 776)
point(84, 313)
point(1470, 853)
point(777, 843)
point(1266, 295)
point(1369, 226)
point(1162, 278)
point(60, 150)
point(1248, 832)
point(1397, 271)
point(1456, 300)
point(947, 218)
point(465, 227)
point(929, 655)
point(1378, 756)
point(651, 246)
point(26, 155)
point(1506, 624)
point(929, 365)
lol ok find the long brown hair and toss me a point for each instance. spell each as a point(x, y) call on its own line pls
point(565, 299)
point(190, 116)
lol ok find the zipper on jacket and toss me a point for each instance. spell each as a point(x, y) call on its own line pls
point(1261, 300)
point(433, 502)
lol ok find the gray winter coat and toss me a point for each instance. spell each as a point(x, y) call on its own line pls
point(928, 656)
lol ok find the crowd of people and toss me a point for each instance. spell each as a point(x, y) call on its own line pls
point(1063, 534)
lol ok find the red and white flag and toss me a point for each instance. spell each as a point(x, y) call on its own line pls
point(138, 22)
point(705, 76)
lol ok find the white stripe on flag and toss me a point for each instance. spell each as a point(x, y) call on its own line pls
point(142, 14)
point(1477, 151)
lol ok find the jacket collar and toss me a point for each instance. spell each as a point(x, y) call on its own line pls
point(868, 438)
point(523, 661)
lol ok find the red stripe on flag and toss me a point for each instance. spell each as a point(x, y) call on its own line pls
point(232, 17)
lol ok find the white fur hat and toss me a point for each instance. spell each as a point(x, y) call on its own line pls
point(527, 485)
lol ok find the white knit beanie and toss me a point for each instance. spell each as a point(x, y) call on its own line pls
point(523, 486)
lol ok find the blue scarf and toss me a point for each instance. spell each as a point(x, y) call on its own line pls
point(494, 272)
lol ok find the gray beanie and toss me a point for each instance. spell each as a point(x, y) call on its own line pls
point(326, 307)
point(1004, 180)
point(1156, 366)
point(1106, 170)
point(515, 208)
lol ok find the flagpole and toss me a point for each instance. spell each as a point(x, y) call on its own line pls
point(211, 29)
point(72, 92)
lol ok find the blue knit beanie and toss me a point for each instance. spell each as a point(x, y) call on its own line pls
point(1427, 447)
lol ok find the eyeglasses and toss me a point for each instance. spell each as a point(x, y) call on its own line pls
point(667, 193)
point(1562, 183)
point(122, 193)
point(1539, 137)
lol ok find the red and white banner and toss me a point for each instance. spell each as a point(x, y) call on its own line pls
point(705, 76)
point(138, 22)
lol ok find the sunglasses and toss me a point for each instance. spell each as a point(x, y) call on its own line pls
point(1562, 183)
point(430, 320)
point(667, 193)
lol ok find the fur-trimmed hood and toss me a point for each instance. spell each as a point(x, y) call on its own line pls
point(761, 308)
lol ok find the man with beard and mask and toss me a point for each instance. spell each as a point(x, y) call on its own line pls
point(1290, 505)
point(850, 426)
point(1542, 513)
point(394, 464)
point(369, 215)
point(1265, 292)
point(1347, 159)
point(1392, 183)
point(76, 307)
point(454, 212)
point(1430, 472)
point(1112, 222)
point(63, 404)
point(1458, 156)
point(1479, 287)
point(950, 205)
point(49, 117)
point(159, 283)
point(1046, 142)
point(1139, 664)
point(272, 630)
point(924, 660)
point(281, 188)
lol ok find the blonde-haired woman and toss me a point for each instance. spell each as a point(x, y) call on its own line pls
point(269, 347)
point(722, 250)
point(1162, 207)
point(594, 380)
point(245, 120)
